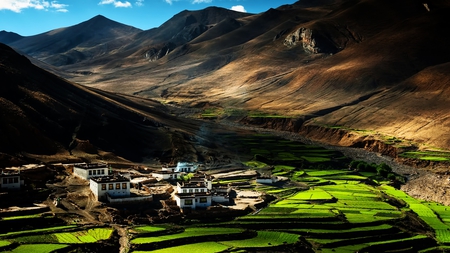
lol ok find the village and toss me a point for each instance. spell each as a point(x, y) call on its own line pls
point(89, 189)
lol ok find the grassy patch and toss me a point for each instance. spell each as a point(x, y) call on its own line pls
point(264, 239)
point(4, 243)
point(89, 236)
point(203, 247)
point(255, 164)
point(148, 229)
point(38, 230)
point(189, 232)
point(38, 248)
point(438, 156)
point(22, 217)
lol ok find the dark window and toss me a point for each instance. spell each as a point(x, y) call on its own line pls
point(10, 180)
point(124, 186)
point(103, 187)
point(203, 200)
point(5, 180)
point(95, 172)
point(196, 190)
point(111, 187)
point(117, 186)
point(188, 202)
point(202, 190)
point(16, 180)
point(90, 172)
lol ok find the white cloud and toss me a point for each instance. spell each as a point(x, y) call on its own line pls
point(239, 8)
point(201, 1)
point(19, 5)
point(117, 4)
point(59, 7)
point(139, 3)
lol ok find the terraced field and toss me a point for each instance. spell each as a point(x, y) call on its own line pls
point(344, 210)
point(330, 204)
point(40, 233)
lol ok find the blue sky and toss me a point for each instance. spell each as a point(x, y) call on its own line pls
point(30, 17)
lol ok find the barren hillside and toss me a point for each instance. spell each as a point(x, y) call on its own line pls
point(353, 64)
point(49, 119)
point(376, 66)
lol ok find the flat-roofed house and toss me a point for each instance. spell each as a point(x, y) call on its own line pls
point(114, 186)
point(186, 167)
point(166, 175)
point(193, 194)
point(89, 170)
point(10, 181)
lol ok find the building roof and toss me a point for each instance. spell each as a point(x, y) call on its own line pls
point(110, 179)
point(91, 165)
point(166, 172)
point(193, 185)
point(9, 174)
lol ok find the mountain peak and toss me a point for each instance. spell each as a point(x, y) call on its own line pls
point(9, 37)
point(100, 18)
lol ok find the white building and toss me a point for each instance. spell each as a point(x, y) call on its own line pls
point(10, 181)
point(114, 186)
point(89, 170)
point(166, 175)
point(193, 200)
point(194, 194)
point(199, 192)
point(185, 167)
point(270, 179)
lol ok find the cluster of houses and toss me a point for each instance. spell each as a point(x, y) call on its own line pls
point(198, 192)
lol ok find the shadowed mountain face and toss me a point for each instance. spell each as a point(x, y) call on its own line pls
point(366, 64)
point(93, 38)
point(9, 37)
point(43, 115)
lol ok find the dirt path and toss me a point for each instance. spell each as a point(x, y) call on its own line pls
point(124, 240)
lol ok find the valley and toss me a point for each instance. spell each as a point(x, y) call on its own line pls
point(329, 119)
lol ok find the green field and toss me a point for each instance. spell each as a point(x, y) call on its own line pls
point(329, 205)
point(148, 229)
point(38, 248)
point(264, 239)
point(188, 232)
point(85, 236)
point(430, 155)
point(204, 247)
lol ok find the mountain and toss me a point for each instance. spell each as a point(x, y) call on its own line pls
point(47, 118)
point(342, 63)
point(376, 66)
point(93, 38)
point(9, 37)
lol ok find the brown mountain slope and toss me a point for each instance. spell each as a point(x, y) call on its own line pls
point(330, 62)
point(42, 114)
point(336, 64)
point(151, 45)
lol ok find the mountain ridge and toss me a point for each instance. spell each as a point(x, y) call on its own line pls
point(311, 59)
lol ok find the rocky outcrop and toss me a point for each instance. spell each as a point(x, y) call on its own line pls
point(157, 52)
point(304, 37)
point(311, 41)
